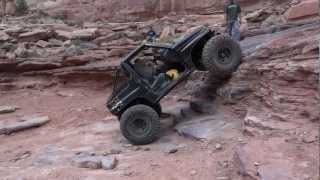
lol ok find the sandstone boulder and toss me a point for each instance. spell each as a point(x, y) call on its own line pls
point(7, 109)
point(274, 19)
point(42, 43)
point(119, 52)
point(55, 43)
point(62, 34)
point(21, 51)
point(273, 159)
point(91, 162)
point(304, 9)
point(86, 34)
point(258, 16)
point(11, 7)
point(25, 123)
point(14, 31)
point(35, 35)
point(109, 163)
point(4, 36)
point(82, 34)
point(208, 127)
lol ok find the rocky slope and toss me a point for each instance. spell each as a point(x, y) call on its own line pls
point(283, 106)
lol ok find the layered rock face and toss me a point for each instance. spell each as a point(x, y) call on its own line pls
point(125, 10)
point(276, 92)
point(287, 70)
point(60, 51)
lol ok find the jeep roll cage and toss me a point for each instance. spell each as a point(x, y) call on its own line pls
point(138, 89)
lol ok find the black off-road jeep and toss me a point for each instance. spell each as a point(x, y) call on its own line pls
point(152, 70)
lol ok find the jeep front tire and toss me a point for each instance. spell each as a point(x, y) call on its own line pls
point(140, 124)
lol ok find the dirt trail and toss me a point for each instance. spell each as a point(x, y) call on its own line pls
point(81, 123)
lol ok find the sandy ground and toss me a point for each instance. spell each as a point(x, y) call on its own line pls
point(81, 123)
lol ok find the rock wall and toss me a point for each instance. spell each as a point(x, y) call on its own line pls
point(61, 51)
point(283, 75)
point(132, 10)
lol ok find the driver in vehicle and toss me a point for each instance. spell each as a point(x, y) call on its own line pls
point(163, 79)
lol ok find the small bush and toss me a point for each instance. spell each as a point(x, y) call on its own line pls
point(22, 7)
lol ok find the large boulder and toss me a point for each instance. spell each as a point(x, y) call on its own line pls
point(275, 159)
point(274, 19)
point(304, 9)
point(11, 7)
point(258, 16)
point(82, 34)
point(85, 34)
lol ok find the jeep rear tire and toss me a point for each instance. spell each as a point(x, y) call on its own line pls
point(140, 124)
point(221, 56)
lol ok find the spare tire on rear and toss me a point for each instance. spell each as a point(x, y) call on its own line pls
point(221, 56)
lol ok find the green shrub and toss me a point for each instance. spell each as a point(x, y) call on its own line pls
point(22, 7)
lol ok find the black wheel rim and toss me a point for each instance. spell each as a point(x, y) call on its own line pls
point(224, 55)
point(139, 127)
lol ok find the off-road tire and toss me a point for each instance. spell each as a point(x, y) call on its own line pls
point(214, 49)
point(136, 135)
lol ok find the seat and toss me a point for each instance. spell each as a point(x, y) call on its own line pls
point(161, 81)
